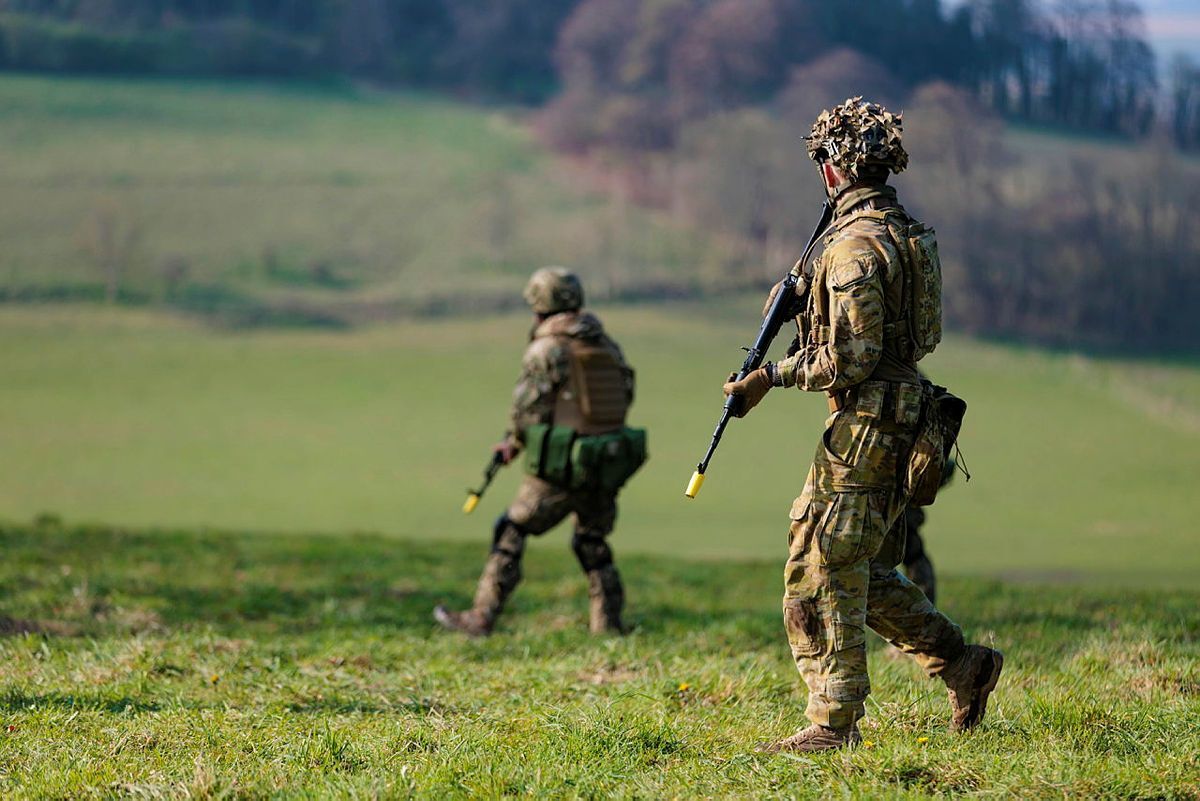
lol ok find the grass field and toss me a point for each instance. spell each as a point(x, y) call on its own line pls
point(239, 536)
point(1083, 468)
point(175, 664)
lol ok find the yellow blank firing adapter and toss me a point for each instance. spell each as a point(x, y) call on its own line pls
point(695, 484)
point(470, 504)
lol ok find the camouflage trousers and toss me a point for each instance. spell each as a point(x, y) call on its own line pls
point(917, 566)
point(538, 507)
point(841, 571)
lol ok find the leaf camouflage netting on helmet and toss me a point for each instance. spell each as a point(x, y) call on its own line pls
point(857, 134)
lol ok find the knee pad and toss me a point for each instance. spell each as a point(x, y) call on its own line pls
point(507, 536)
point(593, 552)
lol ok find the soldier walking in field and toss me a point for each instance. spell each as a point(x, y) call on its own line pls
point(568, 415)
point(873, 308)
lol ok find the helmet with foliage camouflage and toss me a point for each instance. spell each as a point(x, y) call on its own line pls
point(554, 289)
point(857, 135)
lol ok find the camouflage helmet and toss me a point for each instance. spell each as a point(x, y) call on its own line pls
point(554, 289)
point(857, 134)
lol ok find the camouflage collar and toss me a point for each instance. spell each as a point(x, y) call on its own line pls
point(855, 197)
point(578, 324)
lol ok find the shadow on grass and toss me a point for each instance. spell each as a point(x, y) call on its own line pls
point(17, 701)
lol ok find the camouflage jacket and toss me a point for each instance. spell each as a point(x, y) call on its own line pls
point(857, 288)
point(546, 368)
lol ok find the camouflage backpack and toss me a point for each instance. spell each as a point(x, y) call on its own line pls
point(923, 286)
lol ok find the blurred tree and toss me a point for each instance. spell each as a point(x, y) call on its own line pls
point(831, 78)
point(1184, 102)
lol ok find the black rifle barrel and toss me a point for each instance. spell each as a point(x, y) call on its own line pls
point(489, 473)
point(756, 353)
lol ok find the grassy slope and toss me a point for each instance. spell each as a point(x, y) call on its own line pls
point(186, 665)
point(1082, 467)
point(405, 197)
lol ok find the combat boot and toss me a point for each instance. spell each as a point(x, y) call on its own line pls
point(500, 577)
point(969, 681)
point(607, 598)
point(467, 622)
point(813, 739)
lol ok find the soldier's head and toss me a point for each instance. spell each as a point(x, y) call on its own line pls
point(552, 290)
point(856, 142)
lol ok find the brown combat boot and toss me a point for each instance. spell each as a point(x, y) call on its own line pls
point(500, 577)
point(813, 739)
point(607, 599)
point(970, 680)
point(468, 622)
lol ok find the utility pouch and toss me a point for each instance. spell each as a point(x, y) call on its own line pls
point(940, 421)
point(548, 453)
point(606, 461)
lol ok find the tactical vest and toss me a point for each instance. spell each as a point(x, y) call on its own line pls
point(913, 308)
point(595, 399)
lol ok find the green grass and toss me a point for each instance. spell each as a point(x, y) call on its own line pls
point(173, 663)
point(256, 188)
point(1084, 469)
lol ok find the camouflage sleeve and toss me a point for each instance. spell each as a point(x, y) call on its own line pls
point(855, 341)
point(544, 371)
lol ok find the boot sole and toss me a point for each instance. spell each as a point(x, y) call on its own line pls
point(979, 706)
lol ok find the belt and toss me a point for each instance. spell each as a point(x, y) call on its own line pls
point(875, 399)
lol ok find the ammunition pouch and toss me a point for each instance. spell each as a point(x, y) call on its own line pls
point(937, 431)
point(563, 457)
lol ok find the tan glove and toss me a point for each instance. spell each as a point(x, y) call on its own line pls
point(752, 389)
point(796, 308)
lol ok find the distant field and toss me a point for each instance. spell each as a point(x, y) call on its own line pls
point(183, 664)
point(298, 196)
point(1084, 469)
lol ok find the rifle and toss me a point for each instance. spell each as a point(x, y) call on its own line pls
point(489, 472)
point(777, 315)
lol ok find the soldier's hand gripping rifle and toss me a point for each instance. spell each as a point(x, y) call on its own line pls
point(777, 315)
point(473, 495)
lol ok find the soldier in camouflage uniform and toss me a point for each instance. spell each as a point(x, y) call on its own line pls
point(573, 374)
point(854, 345)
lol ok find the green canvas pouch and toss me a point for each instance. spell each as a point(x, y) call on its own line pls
point(548, 454)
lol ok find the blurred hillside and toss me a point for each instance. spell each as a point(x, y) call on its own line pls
point(258, 204)
point(659, 153)
point(255, 205)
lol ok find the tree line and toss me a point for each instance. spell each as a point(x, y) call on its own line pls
point(1077, 63)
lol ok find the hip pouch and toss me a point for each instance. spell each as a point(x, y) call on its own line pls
point(937, 432)
point(561, 456)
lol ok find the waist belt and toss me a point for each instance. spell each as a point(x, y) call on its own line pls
point(887, 400)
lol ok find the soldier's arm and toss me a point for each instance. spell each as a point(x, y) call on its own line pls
point(544, 370)
point(856, 309)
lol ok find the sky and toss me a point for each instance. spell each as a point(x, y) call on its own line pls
point(1172, 26)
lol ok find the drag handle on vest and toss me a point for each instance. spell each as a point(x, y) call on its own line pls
point(473, 495)
point(777, 315)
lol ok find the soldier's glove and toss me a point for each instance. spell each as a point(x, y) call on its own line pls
point(506, 450)
point(751, 389)
point(796, 306)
